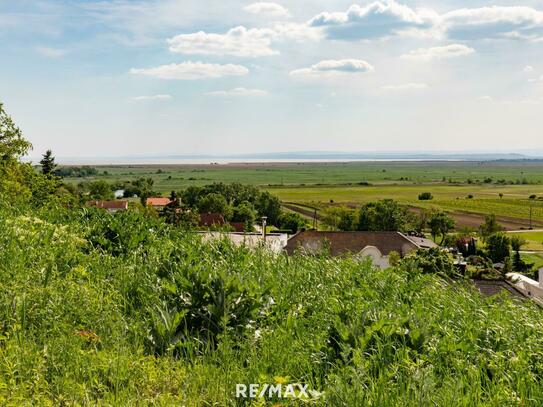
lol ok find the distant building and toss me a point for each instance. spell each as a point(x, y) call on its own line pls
point(275, 242)
point(110, 206)
point(212, 220)
point(158, 203)
point(530, 288)
point(376, 245)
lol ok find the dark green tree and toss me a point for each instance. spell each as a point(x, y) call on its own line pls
point(48, 165)
point(12, 144)
point(214, 203)
point(489, 227)
point(498, 247)
point(440, 225)
point(384, 215)
point(292, 221)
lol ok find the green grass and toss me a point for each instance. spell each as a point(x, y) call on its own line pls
point(535, 258)
point(534, 240)
point(404, 173)
point(319, 184)
point(123, 310)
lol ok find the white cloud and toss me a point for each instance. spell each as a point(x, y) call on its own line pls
point(376, 20)
point(447, 51)
point(49, 52)
point(528, 69)
point(238, 92)
point(269, 9)
point(151, 98)
point(516, 22)
point(334, 67)
point(238, 41)
point(191, 71)
point(407, 86)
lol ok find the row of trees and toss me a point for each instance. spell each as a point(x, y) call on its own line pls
point(387, 215)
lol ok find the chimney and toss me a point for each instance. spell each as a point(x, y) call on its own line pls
point(264, 222)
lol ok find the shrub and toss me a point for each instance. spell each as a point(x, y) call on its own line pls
point(425, 196)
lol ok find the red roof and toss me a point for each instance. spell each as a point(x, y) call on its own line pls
point(158, 201)
point(118, 204)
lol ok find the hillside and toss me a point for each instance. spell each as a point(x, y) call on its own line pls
point(123, 309)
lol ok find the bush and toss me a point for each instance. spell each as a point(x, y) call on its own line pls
point(425, 196)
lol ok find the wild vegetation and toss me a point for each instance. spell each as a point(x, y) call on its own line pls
point(127, 309)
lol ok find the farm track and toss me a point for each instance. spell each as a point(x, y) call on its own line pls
point(463, 219)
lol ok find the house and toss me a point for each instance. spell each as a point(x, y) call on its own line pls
point(275, 242)
point(212, 220)
point(530, 288)
point(110, 206)
point(376, 245)
point(158, 203)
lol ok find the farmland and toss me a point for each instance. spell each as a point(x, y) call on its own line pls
point(500, 187)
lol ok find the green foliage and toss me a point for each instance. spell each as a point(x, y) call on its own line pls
point(490, 227)
point(440, 224)
point(214, 203)
point(498, 247)
point(292, 221)
point(93, 314)
point(99, 190)
point(12, 144)
point(47, 163)
point(384, 215)
point(245, 213)
point(339, 218)
point(425, 196)
point(431, 261)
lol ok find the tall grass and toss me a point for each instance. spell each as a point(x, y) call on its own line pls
point(123, 310)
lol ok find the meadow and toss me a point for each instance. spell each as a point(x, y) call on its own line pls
point(100, 309)
point(502, 188)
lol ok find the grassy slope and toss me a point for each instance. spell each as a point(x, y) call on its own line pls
point(76, 323)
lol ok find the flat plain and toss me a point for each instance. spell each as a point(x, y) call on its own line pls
point(467, 189)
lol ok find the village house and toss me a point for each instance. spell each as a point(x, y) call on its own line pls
point(275, 242)
point(158, 203)
point(376, 245)
point(110, 206)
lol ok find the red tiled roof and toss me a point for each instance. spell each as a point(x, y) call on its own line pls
point(118, 204)
point(158, 201)
point(351, 242)
point(211, 219)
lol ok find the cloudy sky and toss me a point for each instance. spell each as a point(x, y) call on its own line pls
point(141, 77)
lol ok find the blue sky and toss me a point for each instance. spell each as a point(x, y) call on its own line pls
point(141, 77)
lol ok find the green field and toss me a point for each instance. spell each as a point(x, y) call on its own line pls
point(321, 184)
point(534, 240)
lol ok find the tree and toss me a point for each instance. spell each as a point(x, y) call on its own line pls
point(100, 190)
point(425, 196)
point(246, 214)
point(12, 144)
point(384, 215)
point(440, 225)
point(48, 165)
point(268, 205)
point(214, 203)
point(339, 218)
point(431, 261)
point(292, 221)
point(498, 247)
point(518, 264)
point(489, 227)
